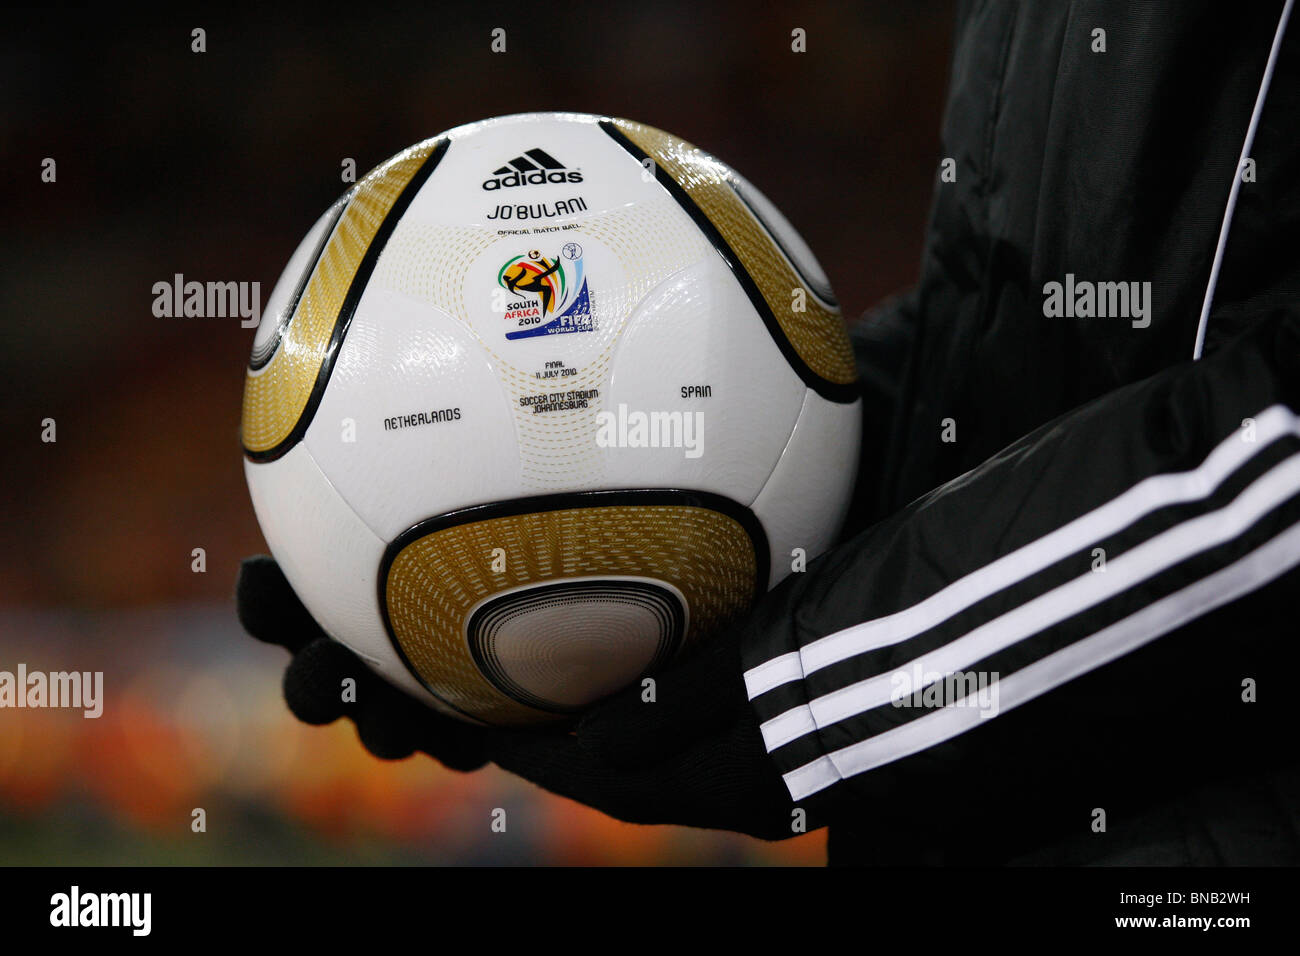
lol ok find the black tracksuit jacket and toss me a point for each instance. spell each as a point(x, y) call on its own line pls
point(1107, 532)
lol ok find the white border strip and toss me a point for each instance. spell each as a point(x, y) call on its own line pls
point(1231, 207)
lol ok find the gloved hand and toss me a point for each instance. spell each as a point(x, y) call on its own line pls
point(693, 756)
point(390, 723)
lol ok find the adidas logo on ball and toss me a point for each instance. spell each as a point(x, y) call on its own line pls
point(535, 167)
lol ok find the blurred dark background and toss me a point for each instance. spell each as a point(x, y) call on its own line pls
point(213, 165)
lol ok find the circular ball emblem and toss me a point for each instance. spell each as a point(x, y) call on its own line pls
point(561, 646)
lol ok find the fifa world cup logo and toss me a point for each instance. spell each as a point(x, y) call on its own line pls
point(535, 276)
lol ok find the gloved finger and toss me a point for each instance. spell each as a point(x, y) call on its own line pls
point(383, 735)
point(392, 725)
point(313, 681)
point(458, 745)
point(268, 609)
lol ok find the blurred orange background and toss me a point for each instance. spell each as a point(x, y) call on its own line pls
point(213, 165)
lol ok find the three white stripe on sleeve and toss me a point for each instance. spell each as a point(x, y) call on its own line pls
point(1142, 562)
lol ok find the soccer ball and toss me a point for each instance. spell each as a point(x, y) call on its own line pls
point(541, 402)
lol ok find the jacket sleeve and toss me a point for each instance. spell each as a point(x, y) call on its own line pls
point(1101, 610)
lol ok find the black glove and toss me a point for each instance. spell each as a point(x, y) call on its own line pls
point(693, 756)
point(390, 723)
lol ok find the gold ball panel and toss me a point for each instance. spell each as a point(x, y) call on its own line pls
point(435, 581)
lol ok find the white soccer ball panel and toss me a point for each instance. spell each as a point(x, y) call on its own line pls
point(401, 360)
point(328, 555)
point(805, 501)
point(699, 332)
